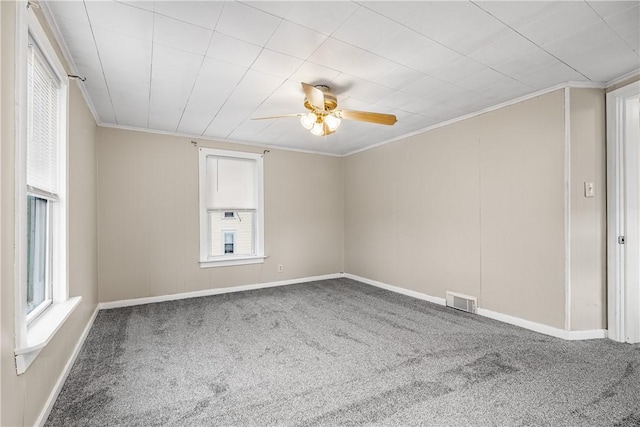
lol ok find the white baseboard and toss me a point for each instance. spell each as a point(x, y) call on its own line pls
point(208, 292)
point(544, 329)
point(516, 321)
point(408, 292)
point(65, 372)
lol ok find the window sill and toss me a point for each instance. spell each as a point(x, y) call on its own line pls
point(232, 261)
point(40, 332)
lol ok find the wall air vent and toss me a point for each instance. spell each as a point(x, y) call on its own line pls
point(462, 302)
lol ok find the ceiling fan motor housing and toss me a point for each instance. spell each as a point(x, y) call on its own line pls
point(330, 100)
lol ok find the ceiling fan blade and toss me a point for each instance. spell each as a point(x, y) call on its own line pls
point(367, 116)
point(278, 117)
point(315, 96)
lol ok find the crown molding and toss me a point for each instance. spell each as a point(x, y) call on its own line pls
point(207, 138)
point(622, 78)
point(570, 84)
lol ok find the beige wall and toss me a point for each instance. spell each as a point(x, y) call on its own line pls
point(478, 207)
point(38, 382)
point(148, 217)
point(588, 215)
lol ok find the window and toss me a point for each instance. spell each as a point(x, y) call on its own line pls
point(229, 241)
point(43, 159)
point(41, 293)
point(231, 208)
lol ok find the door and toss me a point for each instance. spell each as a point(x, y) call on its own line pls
point(623, 213)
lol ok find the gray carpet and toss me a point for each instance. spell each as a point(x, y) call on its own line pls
point(338, 352)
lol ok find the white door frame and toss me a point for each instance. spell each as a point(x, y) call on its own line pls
point(623, 203)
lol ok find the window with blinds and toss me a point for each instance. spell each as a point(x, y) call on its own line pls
point(43, 118)
point(231, 206)
point(42, 177)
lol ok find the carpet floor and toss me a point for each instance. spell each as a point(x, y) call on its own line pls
point(338, 352)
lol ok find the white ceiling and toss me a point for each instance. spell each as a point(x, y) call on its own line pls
point(206, 68)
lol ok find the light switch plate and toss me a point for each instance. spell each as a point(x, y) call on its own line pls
point(589, 190)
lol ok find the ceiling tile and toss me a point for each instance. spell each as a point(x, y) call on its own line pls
point(534, 60)
point(231, 50)
point(172, 81)
point(202, 13)
point(141, 4)
point(625, 22)
point(275, 63)
point(370, 67)
point(365, 29)
point(336, 54)
point(581, 41)
point(313, 74)
point(249, 130)
point(398, 77)
point(485, 79)
point(246, 23)
point(432, 56)
point(633, 40)
point(550, 75)
point(180, 35)
point(618, 59)
point(611, 7)
point(72, 10)
point(461, 69)
point(124, 59)
point(295, 40)
point(254, 88)
point(215, 82)
point(325, 18)
point(121, 18)
point(362, 90)
point(277, 8)
point(571, 18)
point(502, 50)
point(101, 101)
point(521, 13)
point(131, 106)
point(400, 100)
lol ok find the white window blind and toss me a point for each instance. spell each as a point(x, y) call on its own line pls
point(42, 123)
point(231, 183)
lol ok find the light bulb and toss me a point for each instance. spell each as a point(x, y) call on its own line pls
point(308, 120)
point(317, 129)
point(332, 122)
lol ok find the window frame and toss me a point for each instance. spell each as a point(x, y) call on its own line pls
point(207, 261)
point(34, 332)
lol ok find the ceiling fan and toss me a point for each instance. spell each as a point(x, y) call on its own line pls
point(324, 118)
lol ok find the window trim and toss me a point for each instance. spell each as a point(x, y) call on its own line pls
point(34, 333)
point(222, 261)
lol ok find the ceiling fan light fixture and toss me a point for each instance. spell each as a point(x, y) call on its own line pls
point(318, 129)
point(332, 122)
point(308, 120)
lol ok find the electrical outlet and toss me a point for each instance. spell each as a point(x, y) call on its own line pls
point(280, 268)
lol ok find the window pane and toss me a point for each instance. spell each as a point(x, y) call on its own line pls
point(231, 235)
point(36, 252)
